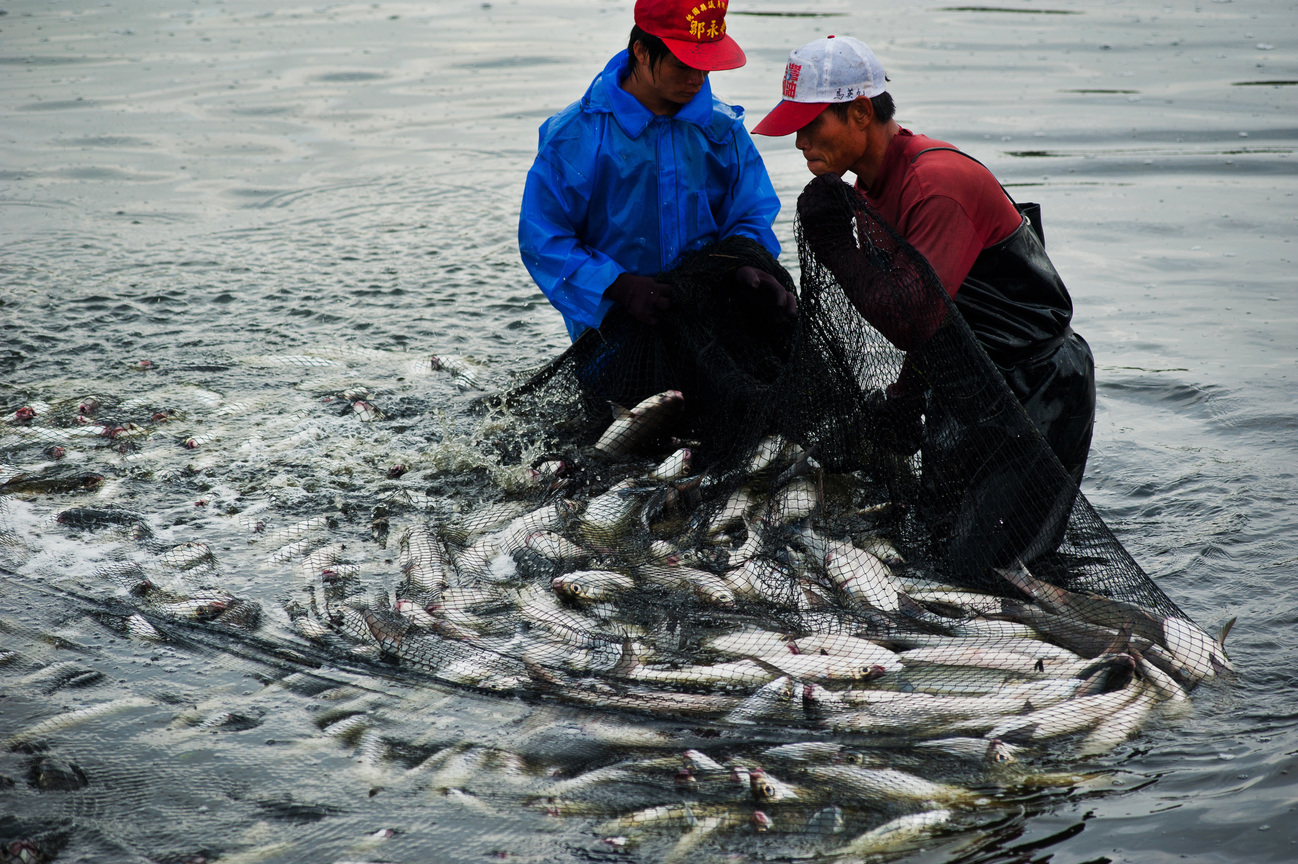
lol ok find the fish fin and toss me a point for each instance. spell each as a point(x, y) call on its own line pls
point(1225, 631)
point(629, 661)
point(539, 674)
point(1020, 578)
point(1019, 735)
point(907, 605)
point(774, 670)
point(1122, 641)
point(618, 411)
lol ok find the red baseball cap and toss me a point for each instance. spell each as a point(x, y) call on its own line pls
point(693, 30)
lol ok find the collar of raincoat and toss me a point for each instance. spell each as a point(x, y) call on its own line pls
point(605, 95)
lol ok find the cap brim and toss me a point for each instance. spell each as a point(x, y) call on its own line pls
point(724, 53)
point(788, 117)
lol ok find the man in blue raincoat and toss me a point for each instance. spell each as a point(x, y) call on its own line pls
point(648, 165)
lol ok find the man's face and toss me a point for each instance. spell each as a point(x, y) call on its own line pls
point(831, 144)
point(675, 82)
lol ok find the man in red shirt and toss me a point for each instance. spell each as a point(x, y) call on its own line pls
point(951, 209)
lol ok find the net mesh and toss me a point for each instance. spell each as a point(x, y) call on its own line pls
point(817, 579)
point(735, 518)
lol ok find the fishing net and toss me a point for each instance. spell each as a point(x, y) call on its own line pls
point(818, 584)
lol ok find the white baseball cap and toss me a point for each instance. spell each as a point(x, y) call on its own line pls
point(832, 69)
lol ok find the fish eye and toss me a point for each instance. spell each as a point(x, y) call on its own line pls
point(854, 758)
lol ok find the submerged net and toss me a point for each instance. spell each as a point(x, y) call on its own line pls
point(823, 584)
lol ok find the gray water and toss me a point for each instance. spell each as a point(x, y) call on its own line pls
point(215, 187)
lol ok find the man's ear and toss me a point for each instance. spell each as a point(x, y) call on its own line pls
point(640, 55)
point(862, 111)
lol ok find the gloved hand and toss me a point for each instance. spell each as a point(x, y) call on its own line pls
point(643, 296)
point(896, 421)
point(764, 285)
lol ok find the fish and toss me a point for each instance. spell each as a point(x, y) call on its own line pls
point(608, 516)
point(768, 789)
point(1072, 715)
point(592, 585)
point(1198, 656)
point(795, 501)
point(748, 643)
point(186, 555)
point(99, 517)
point(771, 450)
point(895, 833)
point(863, 651)
point(708, 587)
point(1005, 659)
point(195, 608)
point(366, 412)
point(139, 627)
point(992, 751)
point(287, 534)
point(425, 561)
point(1119, 725)
point(804, 752)
point(26, 484)
point(484, 520)
point(674, 467)
point(634, 430)
point(732, 673)
point(862, 578)
point(69, 719)
point(323, 563)
point(823, 667)
point(780, 697)
point(556, 547)
point(869, 784)
point(462, 371)
point(827, 820)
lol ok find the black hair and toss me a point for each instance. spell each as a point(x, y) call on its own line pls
point(656, 47)
point(884, 107)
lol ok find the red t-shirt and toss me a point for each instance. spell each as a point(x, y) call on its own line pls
point(945, 204)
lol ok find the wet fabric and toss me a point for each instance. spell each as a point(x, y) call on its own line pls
point(1019, 310)
point(616, 188)
point(946, 204)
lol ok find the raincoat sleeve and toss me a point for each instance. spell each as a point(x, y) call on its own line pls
point(754, 204)
point(572, 275)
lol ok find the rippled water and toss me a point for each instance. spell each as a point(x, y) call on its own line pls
point(211, 187)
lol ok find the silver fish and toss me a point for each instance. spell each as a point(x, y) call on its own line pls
point(708, 587)
point(899, 831)
point(674, 467)
point(862, 578)
point(633, 430)
point(592, 585)
point(869, 784)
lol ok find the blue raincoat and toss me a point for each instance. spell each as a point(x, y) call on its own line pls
point(616, 188)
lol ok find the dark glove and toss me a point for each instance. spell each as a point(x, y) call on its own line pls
point(896, 421)
point(764, 285)
point(643, 296)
